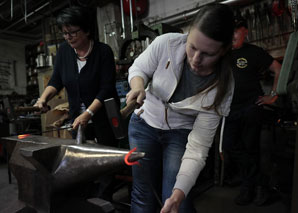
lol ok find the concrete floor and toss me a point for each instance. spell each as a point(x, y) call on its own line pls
point(214, 200)
point(220, 200)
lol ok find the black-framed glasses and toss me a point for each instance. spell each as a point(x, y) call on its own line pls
point(71, 33)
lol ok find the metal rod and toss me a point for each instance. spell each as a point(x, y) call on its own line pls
point(15, 72)
point(51, 130)
point(131, 16)
point(56, 129)
point(122, 20)
point(105, 33)
point(25, 17)
point(11, 9)
point(30, 14)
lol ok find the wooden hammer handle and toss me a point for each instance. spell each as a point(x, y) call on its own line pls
point(129, 108)
point(27, 109)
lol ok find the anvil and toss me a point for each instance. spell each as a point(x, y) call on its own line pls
point(46, 168)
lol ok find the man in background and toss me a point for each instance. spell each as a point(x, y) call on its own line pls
point(243, 125)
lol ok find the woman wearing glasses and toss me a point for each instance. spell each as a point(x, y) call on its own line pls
point(86, 68)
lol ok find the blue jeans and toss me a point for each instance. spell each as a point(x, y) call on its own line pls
point(157, 173)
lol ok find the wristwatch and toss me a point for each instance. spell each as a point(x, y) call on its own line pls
point(273, 93)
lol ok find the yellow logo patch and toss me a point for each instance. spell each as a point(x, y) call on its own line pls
point(241, 63)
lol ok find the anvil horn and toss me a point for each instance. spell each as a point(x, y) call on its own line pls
point(72, 164)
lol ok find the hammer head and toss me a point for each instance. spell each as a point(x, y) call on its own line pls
point(118, 125)
point(9, 109)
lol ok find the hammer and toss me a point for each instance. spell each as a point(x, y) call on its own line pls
point(11, 111)
point(117, 118)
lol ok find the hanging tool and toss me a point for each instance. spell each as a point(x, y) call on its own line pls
point(293, 10)
point(278, 10)
point(265, 22)
point(259, 21)
point(247, 16)
point(269, 23)
point(256, 24)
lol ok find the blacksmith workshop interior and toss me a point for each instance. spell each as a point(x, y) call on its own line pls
point(75, 76)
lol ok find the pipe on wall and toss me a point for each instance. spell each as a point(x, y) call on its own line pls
point(238, 2)
point(185, 15)
point(122, 19)
point(131, 16)
point(27, 16)
point(188, 14)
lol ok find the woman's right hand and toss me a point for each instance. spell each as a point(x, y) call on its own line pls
point(42, 105)
point(137, 91)
point(138, 94)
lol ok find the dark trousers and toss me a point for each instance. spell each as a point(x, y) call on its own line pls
point(241, 144)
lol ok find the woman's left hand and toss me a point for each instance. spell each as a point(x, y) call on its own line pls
point(81, 119)
point(266, 99)
point(172, 204)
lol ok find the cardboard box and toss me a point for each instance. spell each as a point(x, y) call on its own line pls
point(44, 76)
point(52, 116)
point(62, 134)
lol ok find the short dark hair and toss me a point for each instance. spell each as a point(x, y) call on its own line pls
point(76, 16)
point(240, 22)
